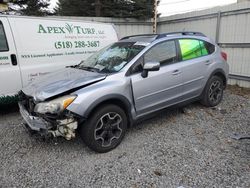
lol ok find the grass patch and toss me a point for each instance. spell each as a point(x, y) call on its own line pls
point(6, 100)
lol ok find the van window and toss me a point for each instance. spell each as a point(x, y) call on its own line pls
point(192, 48)
point(3, 40)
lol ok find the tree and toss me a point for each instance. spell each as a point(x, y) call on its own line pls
point(75, 8)
point(32, 7)
point(141, 9)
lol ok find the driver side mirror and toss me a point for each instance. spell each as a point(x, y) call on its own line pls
point(150, 66)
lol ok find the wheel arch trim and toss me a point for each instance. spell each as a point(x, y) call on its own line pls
point(216, 71)
point(108, 99)
point(221, 72)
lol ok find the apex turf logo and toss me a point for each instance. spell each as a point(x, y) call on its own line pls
point(67, 29)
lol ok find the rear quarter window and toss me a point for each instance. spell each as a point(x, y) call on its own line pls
point(210, 47)
point(193, 48)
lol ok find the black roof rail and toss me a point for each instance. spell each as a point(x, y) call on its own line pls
point(158, 36)
point(180, 33)
point(142, 35)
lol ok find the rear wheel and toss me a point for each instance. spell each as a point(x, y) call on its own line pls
point(105, 128)
point(213, 92)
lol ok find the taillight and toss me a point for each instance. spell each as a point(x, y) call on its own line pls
point(224, 55)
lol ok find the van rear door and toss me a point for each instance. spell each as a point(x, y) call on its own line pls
point(10, 76)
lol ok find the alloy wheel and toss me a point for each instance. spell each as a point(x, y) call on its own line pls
point(215, 92)
point(108, 129)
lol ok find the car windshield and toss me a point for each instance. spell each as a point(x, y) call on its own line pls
point(112, 58)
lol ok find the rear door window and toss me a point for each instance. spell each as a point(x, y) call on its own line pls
point(3, 40)
point(192, 48)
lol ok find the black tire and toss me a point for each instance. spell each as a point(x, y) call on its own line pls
point(213, 92)
point(105, 128)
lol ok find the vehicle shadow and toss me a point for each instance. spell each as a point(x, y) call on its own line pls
point(169, 114)
point(10, 108)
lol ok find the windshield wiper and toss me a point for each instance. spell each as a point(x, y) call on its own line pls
point(72, 66)
point(92, 69)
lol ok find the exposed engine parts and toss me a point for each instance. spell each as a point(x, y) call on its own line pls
point(66, 128)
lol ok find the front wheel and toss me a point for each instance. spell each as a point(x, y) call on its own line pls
point(105, 128)
point(213, 92)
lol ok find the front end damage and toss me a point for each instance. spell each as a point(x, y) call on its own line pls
point(63, 123)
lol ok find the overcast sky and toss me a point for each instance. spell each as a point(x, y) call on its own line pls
point(169, 7)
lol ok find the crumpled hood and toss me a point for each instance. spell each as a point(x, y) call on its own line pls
point(59, 82)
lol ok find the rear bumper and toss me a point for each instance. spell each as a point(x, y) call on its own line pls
point(34, 123)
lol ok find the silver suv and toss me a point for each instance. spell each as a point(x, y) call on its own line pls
point(123, 83)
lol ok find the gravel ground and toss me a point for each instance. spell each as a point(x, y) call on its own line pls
point(178, 148)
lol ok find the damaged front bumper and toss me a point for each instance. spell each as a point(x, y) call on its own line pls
point(65, 126)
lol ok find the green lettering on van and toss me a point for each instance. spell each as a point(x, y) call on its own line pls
point(68, 28)
point(4, 58)
point(41, 29)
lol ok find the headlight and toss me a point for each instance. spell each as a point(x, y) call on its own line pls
point(55, 106)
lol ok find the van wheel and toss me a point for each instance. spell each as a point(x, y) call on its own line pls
point(213, 92)
point(105, 128)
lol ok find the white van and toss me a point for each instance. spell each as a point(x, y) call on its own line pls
point(31, 47)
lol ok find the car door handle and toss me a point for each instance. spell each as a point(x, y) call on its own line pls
point(13, 59)
point(176, 72)
point(208, 62)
